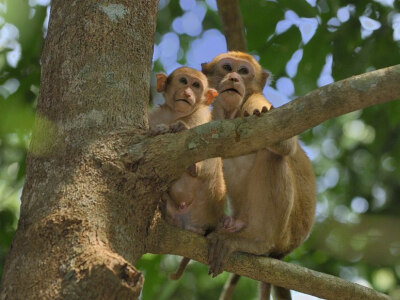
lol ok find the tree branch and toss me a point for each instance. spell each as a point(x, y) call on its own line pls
point(230, 138)
point(232, 24)
point(172, 240)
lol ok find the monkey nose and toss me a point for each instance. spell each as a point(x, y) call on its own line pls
point(234, 79)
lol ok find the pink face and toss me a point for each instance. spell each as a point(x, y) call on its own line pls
point(236, 74)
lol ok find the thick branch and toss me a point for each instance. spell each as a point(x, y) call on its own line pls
point(230, 138)
point(171, 240)
point(232, 24)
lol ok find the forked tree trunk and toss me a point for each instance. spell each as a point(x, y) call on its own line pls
point(75, 234)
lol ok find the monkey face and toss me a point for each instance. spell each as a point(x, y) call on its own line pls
point(187, 94)
point(237, 75)
point(185, 90)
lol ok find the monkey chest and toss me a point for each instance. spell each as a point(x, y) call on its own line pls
point(237, 170)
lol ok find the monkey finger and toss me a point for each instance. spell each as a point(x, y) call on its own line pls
point(217, 268)
point(227, 221)
point(256, 112)
point(211, 248)
point(192, 170)
point(220, 261)
point(246, 114)
point(232, 228)
point(178, 126)
point(264, 109)
point(213, 257)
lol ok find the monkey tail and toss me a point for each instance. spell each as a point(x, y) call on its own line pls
point(264, 290)
point(181, 269)
point(278, 292)
point(281, 293)
point(229, 287)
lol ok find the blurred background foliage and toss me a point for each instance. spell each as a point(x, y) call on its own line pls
point(305, 44)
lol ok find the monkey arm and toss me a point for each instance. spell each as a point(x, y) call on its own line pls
point(160, 115)
point(258, 105)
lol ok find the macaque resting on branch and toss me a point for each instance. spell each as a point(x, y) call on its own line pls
point(196, 200)
point(271, 191)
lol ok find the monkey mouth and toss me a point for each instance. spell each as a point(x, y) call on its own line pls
point(183, 100)
point(232, 90)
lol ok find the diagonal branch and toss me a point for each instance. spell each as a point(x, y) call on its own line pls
point(229, 138)
point(172, 240)
point(232, 24)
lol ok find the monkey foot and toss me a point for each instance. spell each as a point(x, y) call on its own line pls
point(221, 246)
point(232, 225)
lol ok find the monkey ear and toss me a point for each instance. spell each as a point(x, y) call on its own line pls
point(205, 68)
point(211, 94)
point(161, 82)
point(264, 77)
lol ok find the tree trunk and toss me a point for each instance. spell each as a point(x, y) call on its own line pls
point(77, 237)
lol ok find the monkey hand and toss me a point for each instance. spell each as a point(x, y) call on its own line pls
point(221, 246)
point(232, 225)
point(257, 112)
point(192, 170)
point(178, 126)
point(159, 129)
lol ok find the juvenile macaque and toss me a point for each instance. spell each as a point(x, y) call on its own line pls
point(271, 191)
point(196, 200)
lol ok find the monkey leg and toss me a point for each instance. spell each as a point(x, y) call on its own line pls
point(181, 269)
point(284, 148)
point(264, 289)
point(229, 287)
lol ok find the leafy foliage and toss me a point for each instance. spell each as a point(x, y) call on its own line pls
point(356, 157)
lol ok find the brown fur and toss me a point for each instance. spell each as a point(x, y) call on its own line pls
point(273, 190)
point(196, 200)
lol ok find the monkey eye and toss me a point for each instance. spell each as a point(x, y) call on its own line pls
point(183, 80)
point(243, 71)
point(196, 84)
point(227, 67)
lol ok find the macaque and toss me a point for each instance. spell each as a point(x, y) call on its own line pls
point(272, 191)
point(196, 200)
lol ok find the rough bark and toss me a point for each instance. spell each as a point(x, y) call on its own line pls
point(246, 135)
point(78, 235)
point(232, 25)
